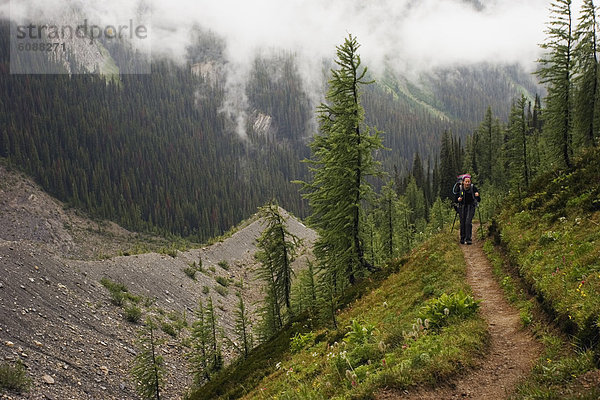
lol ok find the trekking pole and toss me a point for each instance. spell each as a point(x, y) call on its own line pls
point(453, 222)
point(480, 223)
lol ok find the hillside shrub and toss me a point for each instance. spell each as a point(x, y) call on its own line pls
point(14, 377)
point(301, 341)
point(440, 311)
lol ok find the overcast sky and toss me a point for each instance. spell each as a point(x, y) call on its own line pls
point(406, 34)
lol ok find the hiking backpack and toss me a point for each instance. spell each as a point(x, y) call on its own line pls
point(458, 187)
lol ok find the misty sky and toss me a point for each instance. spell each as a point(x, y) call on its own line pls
point(404, 34)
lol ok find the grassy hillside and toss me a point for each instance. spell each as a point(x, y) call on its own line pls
point(553, 236)
point(398, 335)
point(552, 241)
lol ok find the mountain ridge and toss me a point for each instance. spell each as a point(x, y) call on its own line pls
point(59, 320)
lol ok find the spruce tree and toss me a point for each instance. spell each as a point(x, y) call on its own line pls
point(277, 249)
point(214, 345)
point(199, 355)
point(148, 366)
point(587, 100)
point(556, 70)
point(342, 159)
point(305, 291)
point(516, 146)
point(242, 327)
point(388, 204)
point(448, 167)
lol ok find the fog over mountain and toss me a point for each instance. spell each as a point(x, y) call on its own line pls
point(407, 37)
point(405, 34)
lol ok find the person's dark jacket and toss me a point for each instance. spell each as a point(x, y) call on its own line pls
point(468, 196)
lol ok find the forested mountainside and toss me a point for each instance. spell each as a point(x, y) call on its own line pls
point(158, 153)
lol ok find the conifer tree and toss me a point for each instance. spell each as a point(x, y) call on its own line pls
point(486, 149)
point(556, 70)
point(449, 168)
point(516, 146)
point(305, 291)
point(200, 355)
point(148, 366)
point(417, 171)
point(242, 327)
point(277, 249)
point(388, 205)
point(342, 159)
point(216, 357)
point(587, 100)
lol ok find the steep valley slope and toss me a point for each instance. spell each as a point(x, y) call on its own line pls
point(58, 319)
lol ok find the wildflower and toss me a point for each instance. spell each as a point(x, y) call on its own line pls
point(446, 311)
point(348, 374)
point(314, 354)
point(383, 362)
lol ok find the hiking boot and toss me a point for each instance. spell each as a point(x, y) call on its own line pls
point(462, 242)
point(469, 242)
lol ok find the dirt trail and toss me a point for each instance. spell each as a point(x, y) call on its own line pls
point(512, 350)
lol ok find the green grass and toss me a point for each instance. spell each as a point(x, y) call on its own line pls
point(382, 339)
point(555, 243)
point(552, 240)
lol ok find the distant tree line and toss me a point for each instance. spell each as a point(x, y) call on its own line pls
point(152, 152)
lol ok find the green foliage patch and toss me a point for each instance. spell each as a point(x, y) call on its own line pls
point(553, 241)
point(14, 377)
point(556, 247)
point(373, 346)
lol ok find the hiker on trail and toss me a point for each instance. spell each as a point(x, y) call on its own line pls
point(467, 198)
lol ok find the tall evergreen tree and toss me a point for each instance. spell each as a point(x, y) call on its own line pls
point(199, 356)
point(242, 327)
point(278, 248)
point(342, 159)
point(386, 220)
point(556, 70)
point(485, 150)
point(148, 366)
point(516, 146)
point(216, 357)
point(535, 129)
point(449, 167)
point(587, 97)
point(417, 171)
point(305, 291)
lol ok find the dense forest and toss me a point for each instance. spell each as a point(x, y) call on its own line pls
point(157, 153)
point(538, 172)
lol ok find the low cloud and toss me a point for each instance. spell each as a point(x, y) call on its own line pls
point(408, 36)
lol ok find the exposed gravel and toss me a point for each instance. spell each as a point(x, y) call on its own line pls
point(57, 318)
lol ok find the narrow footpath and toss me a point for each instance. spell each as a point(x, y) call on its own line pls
point(512, 351)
